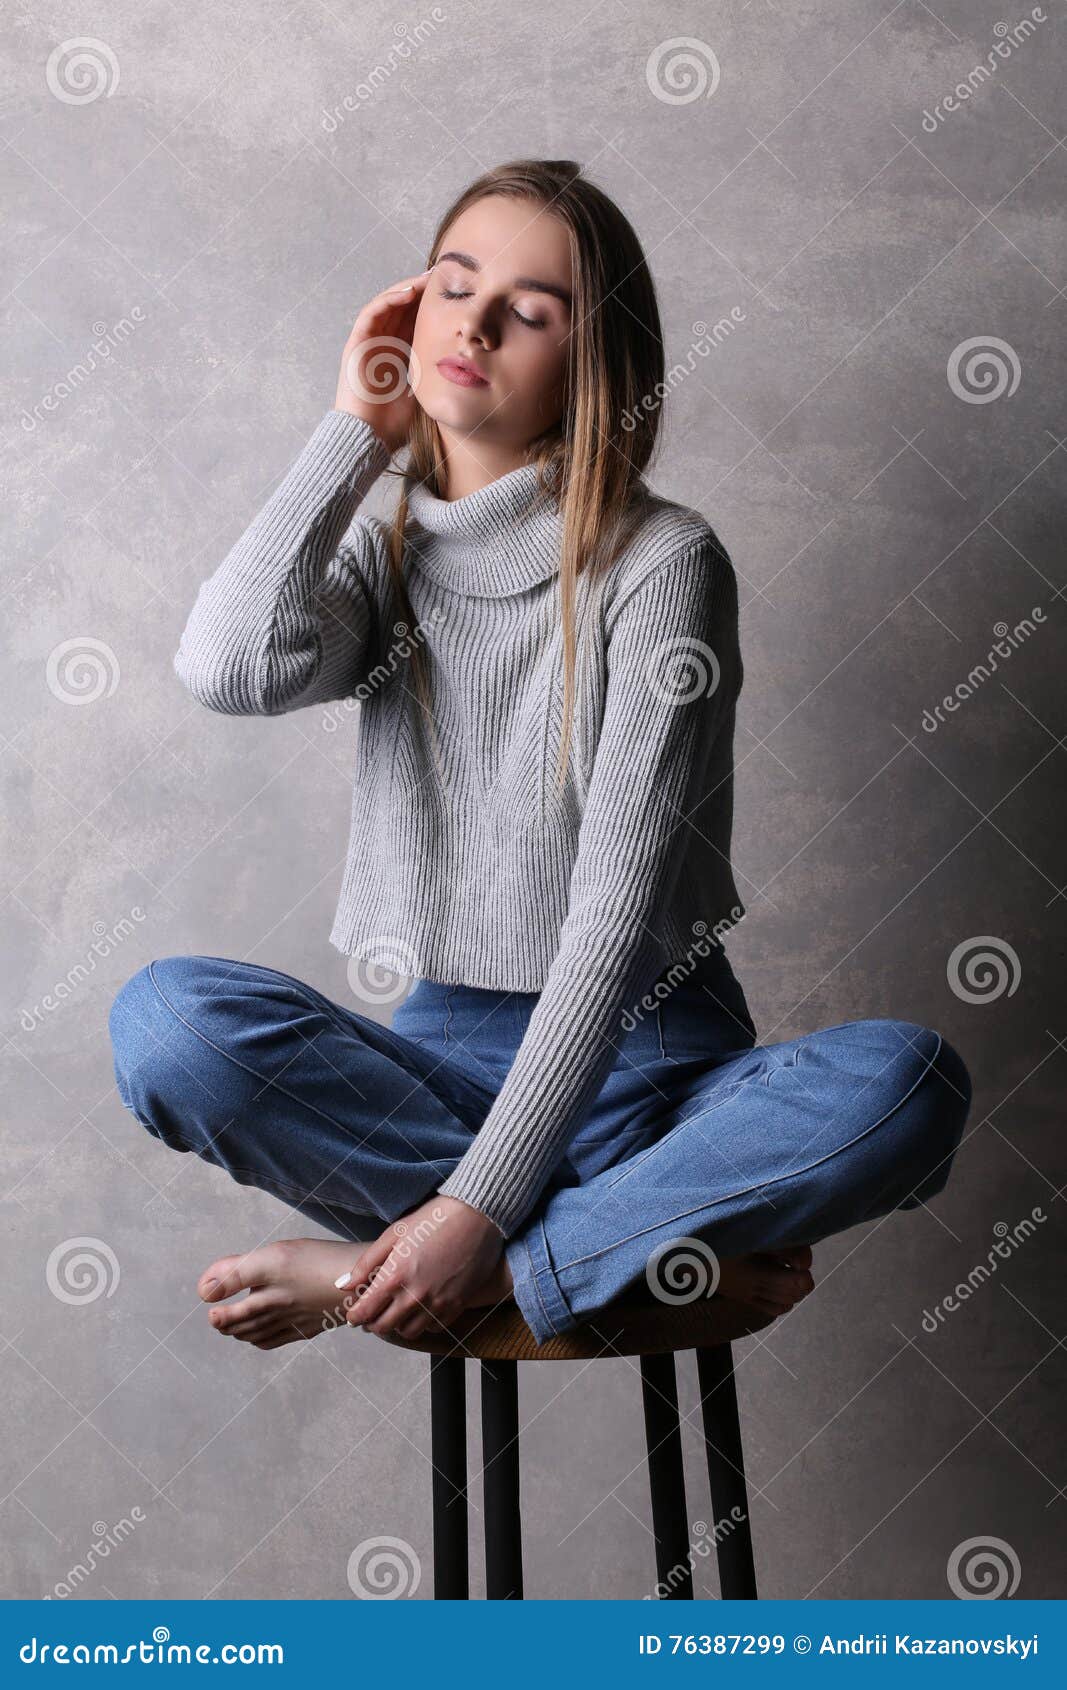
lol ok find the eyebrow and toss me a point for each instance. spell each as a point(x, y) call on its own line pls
point(529, 284)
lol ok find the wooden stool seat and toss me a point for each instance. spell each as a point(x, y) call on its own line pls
point(629, 1326)
point(633, 1325)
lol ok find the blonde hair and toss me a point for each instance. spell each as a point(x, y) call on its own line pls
point(591, 461)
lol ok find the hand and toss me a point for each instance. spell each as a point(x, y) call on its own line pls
point(422, 1269)
point(374, 374)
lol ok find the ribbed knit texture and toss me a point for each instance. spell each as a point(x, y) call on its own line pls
point(487, 872)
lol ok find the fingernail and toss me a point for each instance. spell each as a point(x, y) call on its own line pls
point(344, 1280)
point(208, 1283)
point(398, 293)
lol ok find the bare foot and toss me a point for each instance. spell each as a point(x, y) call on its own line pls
point(291, 1290)
point(496, 1289)
point(769, 1281)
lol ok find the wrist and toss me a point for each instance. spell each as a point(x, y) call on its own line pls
point(350, 411)
point(471, 1215)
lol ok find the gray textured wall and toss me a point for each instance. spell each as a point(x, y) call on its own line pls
point(189, 234)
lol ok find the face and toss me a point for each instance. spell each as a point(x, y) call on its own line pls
point(488, 304)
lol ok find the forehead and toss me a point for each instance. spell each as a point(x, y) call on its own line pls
point(507, 238)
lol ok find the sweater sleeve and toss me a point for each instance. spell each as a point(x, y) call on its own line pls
point(673, 673)
point(285, 618)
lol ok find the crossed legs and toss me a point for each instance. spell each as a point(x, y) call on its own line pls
point(355, 1126)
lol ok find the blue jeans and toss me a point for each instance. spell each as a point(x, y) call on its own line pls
point(698, 1133)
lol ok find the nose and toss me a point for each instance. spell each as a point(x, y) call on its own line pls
point(476, 327)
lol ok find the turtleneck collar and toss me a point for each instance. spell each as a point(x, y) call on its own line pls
point(490, 543)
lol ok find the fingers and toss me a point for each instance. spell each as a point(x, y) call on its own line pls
point(369, 1259)
point(785, 1287)
point(413, 1327)
point(396, 1309)
point(398, 297)
point(790, 1283)
point(403, 1310)
point(378, 1291)
point(788, 1255)
point(796, 1255)
point(410, 285)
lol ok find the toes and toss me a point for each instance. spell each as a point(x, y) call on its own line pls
point(785, 1286)
point(788, 1283)
point(257, 1325)
point(224, 1319)
point(788, 1256)
point(230, 1274)
point(219, 1280)
point(266, 1327)
point(247, 1308)
point(267, 1330)
point(797, 1255)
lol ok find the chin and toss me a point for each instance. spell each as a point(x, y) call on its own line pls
point(459, 408)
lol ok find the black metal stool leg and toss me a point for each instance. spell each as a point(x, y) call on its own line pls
point(500, 1479)
point(448, 1451)
point(726, 1472)
point(659, 1388)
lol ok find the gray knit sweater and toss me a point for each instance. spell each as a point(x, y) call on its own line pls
point(491, 874)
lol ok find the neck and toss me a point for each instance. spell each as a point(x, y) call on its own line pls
point(471, 463)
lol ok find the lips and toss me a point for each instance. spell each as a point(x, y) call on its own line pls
point(463, 374)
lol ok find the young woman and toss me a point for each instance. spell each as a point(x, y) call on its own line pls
point(571, 1102)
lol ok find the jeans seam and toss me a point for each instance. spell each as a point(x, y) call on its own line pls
point(537, 1289)
point(255, 1175)
point(312, 997)
point(549, 1273)
point(622, 1174)
point(684, 1214)
point(304, 1102)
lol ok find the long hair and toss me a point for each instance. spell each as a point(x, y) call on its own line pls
point(590, 462)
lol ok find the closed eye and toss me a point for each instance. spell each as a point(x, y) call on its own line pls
point(531, 323)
